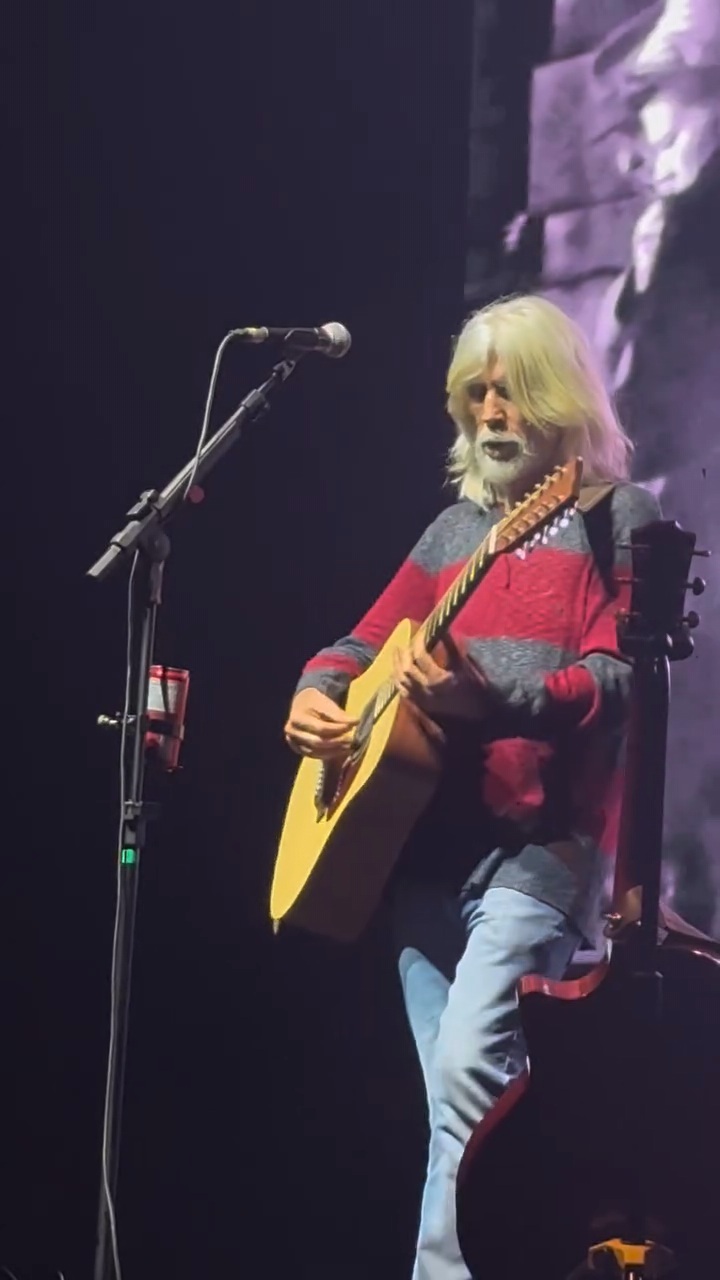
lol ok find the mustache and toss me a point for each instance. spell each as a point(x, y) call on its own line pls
point(486, 436)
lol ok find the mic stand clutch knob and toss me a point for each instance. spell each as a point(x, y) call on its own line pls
point(115, 722)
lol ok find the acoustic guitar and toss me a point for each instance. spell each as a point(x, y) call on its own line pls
point(601, 1158)
point(346, 823)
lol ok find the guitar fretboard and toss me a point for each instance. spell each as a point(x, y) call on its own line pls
point(445, 611)
point(557, 491)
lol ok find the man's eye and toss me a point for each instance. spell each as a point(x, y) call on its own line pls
point(477, 392)
point(501, 390)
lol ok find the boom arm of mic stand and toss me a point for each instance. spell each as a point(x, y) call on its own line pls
point(145, 532)
point(153, 508)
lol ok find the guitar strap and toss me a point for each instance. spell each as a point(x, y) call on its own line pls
point(597, 517)
point(591, 494)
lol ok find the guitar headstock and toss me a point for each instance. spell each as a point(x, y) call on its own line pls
point(656, 625)
point(555, 497)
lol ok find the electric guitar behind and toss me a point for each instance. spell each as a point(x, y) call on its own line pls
point(602, 1157)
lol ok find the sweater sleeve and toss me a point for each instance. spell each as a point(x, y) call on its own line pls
point(595, 689)
point(410, 594)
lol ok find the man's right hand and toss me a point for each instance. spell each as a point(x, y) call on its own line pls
point(318, 727)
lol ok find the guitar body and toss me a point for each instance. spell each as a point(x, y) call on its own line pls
point(550, 1170)
point(332, 868)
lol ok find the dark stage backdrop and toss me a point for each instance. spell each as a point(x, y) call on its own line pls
point(171, 173)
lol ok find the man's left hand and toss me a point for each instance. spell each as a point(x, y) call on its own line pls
point(438, 692)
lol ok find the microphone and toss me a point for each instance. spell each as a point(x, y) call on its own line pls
point(332, 340)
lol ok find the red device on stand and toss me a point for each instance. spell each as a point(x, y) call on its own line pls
point(168, 690)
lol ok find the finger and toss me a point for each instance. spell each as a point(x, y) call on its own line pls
point(336, 717)
point(426, 664)
point(417, 646)
point(402, 674)
point(309, 727)
point(406, 667)
point(411, 688)
point(324, 731)
point(306, 736)
point(418, 676)
point(315, 748)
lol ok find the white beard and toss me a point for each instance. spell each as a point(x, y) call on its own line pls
point(504, 474)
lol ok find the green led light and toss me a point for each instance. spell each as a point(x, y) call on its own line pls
point(128, 857)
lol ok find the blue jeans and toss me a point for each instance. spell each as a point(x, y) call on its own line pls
point(460, 962)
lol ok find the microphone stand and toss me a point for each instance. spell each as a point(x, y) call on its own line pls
point(144, 533)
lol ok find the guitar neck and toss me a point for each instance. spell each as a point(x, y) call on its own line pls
point(652, 631)
point(639, 856)
point(550, 499)
point(526, 519)
point(443, 615)
point(437, 624)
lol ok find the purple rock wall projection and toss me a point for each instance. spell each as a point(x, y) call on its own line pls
point(624, 198)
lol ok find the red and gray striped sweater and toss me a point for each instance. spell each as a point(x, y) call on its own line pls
point(542, 629)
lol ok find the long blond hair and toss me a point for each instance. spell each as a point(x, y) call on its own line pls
point(552, 378)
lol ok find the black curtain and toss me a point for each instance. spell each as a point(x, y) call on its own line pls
point(170, 174)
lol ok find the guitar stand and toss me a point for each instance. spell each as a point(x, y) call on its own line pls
point(619, 1259)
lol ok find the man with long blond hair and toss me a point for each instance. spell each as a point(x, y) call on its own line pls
point(533, 709)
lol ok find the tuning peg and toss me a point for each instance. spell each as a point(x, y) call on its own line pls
point(697, 586)
point(704, 554)
point(692, 620)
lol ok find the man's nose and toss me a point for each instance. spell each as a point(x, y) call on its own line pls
point(493, 418)
point(492, 413)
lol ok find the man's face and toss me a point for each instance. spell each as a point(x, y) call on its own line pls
point(681, 135)
point(510, 453)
